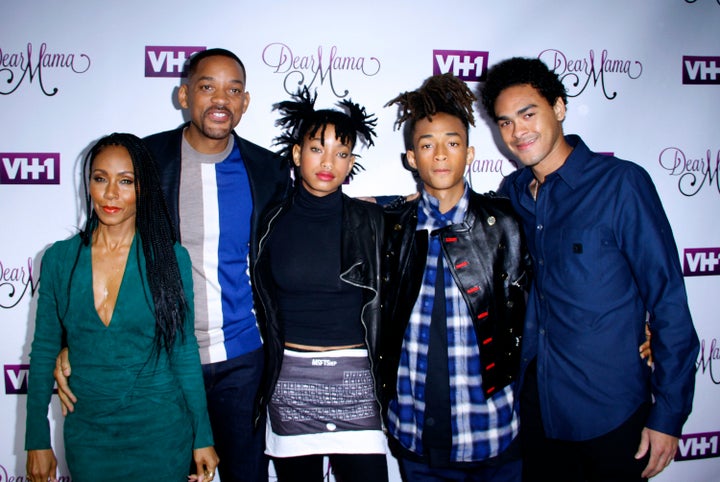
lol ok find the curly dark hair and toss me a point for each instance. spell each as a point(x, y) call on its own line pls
point(518, 71)
point(300, 119)
point(157, 236)
point(443, 93)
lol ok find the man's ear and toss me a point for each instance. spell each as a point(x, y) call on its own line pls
point(470, 157)
point(246, 103)
point(560, 109)
point(182, 96)
point(410, 154)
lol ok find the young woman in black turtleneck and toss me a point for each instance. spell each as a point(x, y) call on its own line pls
point(318, 280)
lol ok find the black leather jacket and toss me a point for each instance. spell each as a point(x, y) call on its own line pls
point(360, 266)
point(488, 261)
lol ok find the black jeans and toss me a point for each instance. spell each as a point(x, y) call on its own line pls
point(608, 458)
point(231, 387)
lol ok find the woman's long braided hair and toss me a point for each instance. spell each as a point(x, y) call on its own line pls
point(157, 236)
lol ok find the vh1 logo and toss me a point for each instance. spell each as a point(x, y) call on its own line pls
point(698, 446)
point(701, 262)
point(16, 377)
point(467, 65)
point(167, 61)
point(701, 70)
point(29, 168)
point(16, 380)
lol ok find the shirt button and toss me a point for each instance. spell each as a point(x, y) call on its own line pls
point(430, 421)
point(539, 227)
point(542, 331)
point(541, 262)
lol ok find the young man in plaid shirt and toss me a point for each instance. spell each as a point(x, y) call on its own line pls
point(455, 275)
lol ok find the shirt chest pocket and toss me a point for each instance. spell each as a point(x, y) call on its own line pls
point(582, 254)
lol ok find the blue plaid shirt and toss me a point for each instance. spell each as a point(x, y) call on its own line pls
point(481, 428)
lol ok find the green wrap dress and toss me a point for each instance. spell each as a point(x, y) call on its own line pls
point(137, 416)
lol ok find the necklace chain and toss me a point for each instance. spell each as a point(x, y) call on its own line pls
point(534, 188)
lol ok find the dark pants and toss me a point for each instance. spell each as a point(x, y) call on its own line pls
point(509, 471)
point(231, 387)
point(345, 468)
point(608, 458)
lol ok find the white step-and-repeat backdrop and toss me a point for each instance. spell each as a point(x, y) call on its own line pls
point(643, 78)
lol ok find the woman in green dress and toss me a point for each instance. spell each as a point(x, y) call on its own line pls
point(120, 294)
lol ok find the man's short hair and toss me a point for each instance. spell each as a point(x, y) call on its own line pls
point(519, 71)
point(192, 63)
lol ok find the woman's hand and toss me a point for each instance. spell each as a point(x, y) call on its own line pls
point(41, 466)
point(206, 461)
point(645, 348)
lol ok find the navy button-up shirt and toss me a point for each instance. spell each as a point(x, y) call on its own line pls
point(605, 260)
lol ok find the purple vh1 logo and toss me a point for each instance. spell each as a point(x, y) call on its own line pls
point(698, 446)
point(701, 262)
point(16, 377)
point(16, 380)
point(29, 168)
point(467, 65)
point(700, 70)
point(167, 61)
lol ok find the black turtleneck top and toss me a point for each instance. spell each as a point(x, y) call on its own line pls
point(315, 306)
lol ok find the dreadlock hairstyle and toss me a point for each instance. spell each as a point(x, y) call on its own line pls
point(518, 71)
point(443, 93)
point(155, 228)
point(300, 119)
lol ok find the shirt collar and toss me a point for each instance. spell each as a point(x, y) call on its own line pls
point(570, 171)
point(430, 217)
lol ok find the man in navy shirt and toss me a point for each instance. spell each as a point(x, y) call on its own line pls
point(605, 261)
